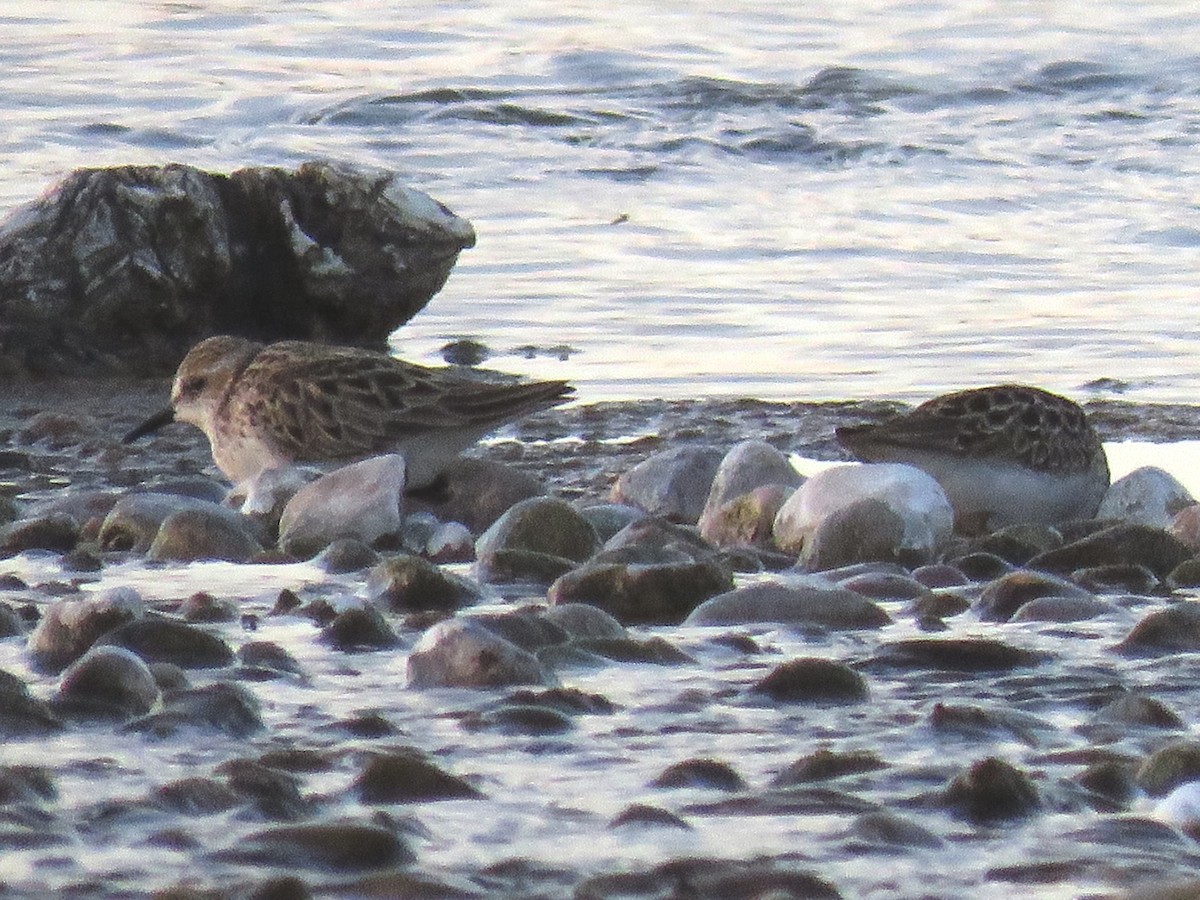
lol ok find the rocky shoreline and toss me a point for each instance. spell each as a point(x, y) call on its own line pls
point(611, 708)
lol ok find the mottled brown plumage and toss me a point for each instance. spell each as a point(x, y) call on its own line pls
point(297, 402)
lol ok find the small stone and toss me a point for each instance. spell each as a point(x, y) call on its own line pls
point(813, 680)
point(956, 655)
point(463, 653)
point(911, 494)
point(1185, 575)
point(273, 793)
point(69, 627)
point(521, 567)
point(1118, 579)
point(196, 796)
point(208, 532)
point(1123, 544)
point(747, 520)
point(1139, 711)
point(363, 500)
point(1168, 767)
point(709, 774)
point(746, 467)
point(221, 708)
point(407, 583)
point(1186, 526)
point(58, 430)
point(346, 555)
point(981, 566)
point(204, 607)
point(1063, 609)
point(108, 682)
point(516, 718)
point(1002, 598)
point(1175, 629)
point(268, 657)
point(891, 830)
point(476, 492)
point(641, 539)
point(824, 765)
point(609, 518)
point(662, 594)
point(806, 600)
point(673, 484)
point(1147, 495)
point(55, 532)
point(541, 525)
point(450, 542)
point(885, 586)
point(643, 814)
point(582, 620)
point(165, 640)
point(21, 714)
point(406, 776)
point(134, 520)
point(991, 790)
point(325, 847)
point(359, 628)
point(940, 575)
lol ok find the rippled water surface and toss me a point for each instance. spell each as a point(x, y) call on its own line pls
point(766, 199)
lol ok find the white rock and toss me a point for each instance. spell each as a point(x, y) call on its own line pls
point(69, 627)
point(750, 465)
point(270, 490)
point(1181, 807)
point(363, 500)
point(673, 484)
point(913, 494)
point(1148, 495)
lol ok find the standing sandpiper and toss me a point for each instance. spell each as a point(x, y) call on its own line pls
point(1003, 455)
point(262, 407)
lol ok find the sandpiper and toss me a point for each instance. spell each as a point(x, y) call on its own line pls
point(294, 402)
point(1004, 454)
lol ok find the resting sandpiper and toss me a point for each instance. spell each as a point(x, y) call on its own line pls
point(263, 407)
point(1004, 455)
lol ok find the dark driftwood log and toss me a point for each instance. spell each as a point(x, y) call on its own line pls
point(119, 271)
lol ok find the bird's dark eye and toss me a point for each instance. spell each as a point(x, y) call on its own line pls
point(190, 387)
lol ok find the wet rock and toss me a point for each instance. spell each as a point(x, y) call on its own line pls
point(940, 575)
point(21, 714)
point(208, 532)
point(519, 718)
point(1123, 544)
point(1147, 495)
point(541, 525)
point(643, 814)
point(747, 520)
point(640, 540)
point(956, 655)
point(890, 829)
point(11, 622)
point(582, 620)
point(156, 639)
point(476, 492)
point(463, 653)
point(121, 270)
point(1185, 575)
point(1186, 526)
point(1002, 598)
point(813, 680)
point(58, 431)
point(709, 774)
point(912, 495)
point(526, 628)
point(797, 601)
point(655, 651)
point(981, 566)
point(272, 793)
point(656, 594)
point(406, 776)
point(346, 555)
point(609, 518)
point(1017, 544)
point(1139, 711)
point(824, 764)
point(1168, 767)
point(864, 531)
point(407, 583)
point(134, 520)
point(1121, 579)
point(673, 484)
point(359, 628)
point(521, 566)
point(326, 847)
point(1175, 629)
point(939, 606)
point(69, 627)
point(221, 708)
point(450, 542)
point(264, 497)
point(991, 790)
point(749, 465)
point(266, 659)
point(885, 586)
point(988, 723)
point(195, 796)
point(708, 877)
point(56, 532)
point(107, 682)
point(1063, 609)
point(363, 500)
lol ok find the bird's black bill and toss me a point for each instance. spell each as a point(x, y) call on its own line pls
point(155, 422)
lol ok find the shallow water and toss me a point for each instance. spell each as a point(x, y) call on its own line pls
point(770, 201)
